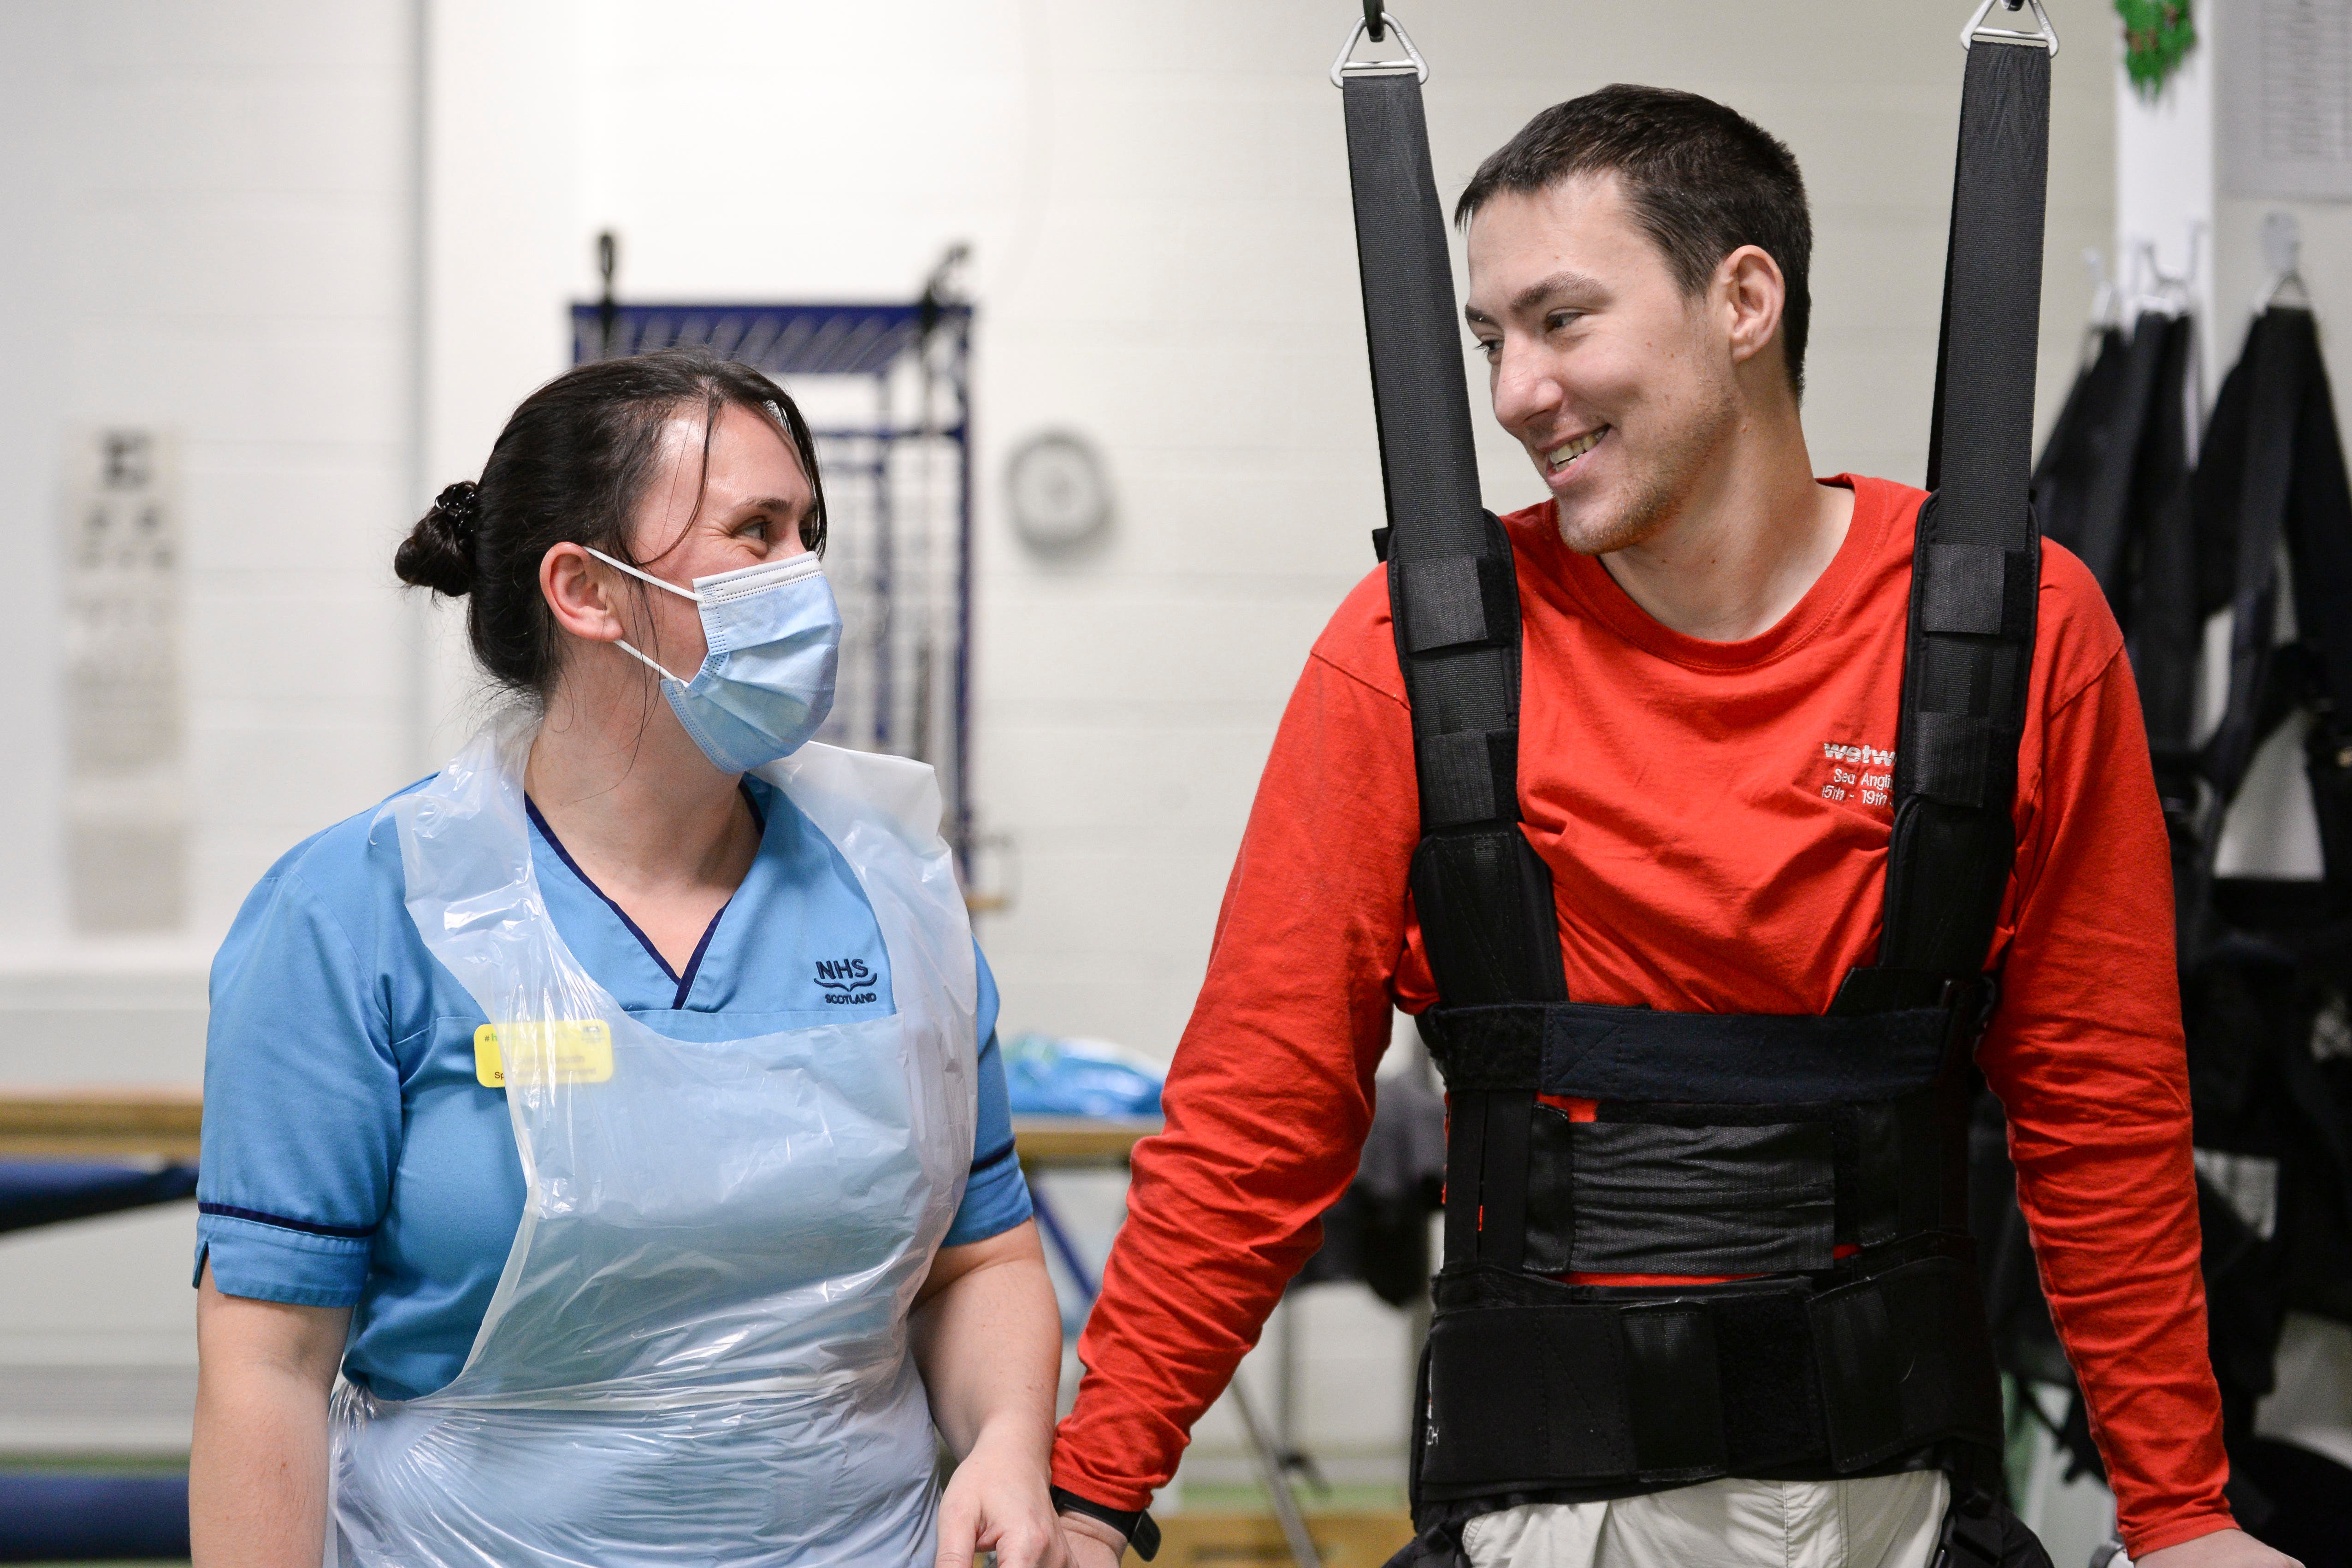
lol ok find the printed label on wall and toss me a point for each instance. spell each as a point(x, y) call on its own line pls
point(2284, 99)
point(126, 823)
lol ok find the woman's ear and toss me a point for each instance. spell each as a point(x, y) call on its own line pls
point(578, 595)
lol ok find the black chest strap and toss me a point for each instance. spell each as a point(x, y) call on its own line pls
point(1484, 898)
point(1976, 562)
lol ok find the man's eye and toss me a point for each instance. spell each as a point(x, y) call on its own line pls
point(1490, 347)
point(1559, 319)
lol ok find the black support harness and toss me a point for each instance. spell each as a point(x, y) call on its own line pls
point(1821, 1156)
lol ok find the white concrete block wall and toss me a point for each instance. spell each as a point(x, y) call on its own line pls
point(210, 229)
point(217, 240)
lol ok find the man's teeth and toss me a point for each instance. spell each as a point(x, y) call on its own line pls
point(1560, 456)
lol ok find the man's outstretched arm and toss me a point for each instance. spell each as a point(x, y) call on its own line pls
point(2085, 1054)
point(1269, 1096)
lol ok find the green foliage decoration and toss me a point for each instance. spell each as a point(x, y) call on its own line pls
point(2157, 36)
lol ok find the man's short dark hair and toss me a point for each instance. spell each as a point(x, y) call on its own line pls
point(1703, 180)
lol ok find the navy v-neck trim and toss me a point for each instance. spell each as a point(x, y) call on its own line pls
point(684, 983)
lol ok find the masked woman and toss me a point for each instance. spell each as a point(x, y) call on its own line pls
point(611, 1109)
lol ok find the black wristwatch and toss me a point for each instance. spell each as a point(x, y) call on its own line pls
point(1142, 1533)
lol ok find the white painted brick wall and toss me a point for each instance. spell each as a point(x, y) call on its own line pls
point(216, 237)
point(209, 229)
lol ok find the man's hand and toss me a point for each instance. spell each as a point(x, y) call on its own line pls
point(996, 1503)
point(1092, 1543)
point(2222, 1549)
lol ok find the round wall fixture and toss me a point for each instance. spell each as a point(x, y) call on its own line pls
point(1059, 492)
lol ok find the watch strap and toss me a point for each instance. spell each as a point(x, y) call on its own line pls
point(1142, 1531)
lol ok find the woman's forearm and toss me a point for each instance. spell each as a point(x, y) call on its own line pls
point(988, 1339)
point(258, 1475)
point(257, 1469)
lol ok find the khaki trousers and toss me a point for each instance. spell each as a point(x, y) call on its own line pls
point(1878, 1521)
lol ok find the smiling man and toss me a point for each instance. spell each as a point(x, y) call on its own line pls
point(1713, 653)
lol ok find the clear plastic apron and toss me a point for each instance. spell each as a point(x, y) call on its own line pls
point(697, 1352)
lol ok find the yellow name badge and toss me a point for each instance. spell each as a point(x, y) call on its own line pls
point(564, 1051)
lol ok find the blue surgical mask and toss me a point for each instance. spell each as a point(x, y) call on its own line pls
point(775, 637)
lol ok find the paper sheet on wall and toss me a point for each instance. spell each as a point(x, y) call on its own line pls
point(126, 823)
point(2285, 102)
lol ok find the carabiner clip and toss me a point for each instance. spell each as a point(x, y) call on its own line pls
point(1343, 68)
point(1976, 30)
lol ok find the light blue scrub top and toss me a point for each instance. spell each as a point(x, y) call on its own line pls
point(351, 1157)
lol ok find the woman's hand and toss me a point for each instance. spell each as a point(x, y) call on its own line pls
point(988, 1338)
point(2222, 1549)
point(996, 1501)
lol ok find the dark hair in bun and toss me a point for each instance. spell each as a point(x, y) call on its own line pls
point(570, 468)
point(438, 553)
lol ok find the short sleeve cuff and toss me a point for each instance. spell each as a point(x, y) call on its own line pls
point(995, 1199)
point(271, 1263)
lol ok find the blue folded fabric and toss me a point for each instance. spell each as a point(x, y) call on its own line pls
point(43, 1192)
point(1050, 1077)
point(54, 1518)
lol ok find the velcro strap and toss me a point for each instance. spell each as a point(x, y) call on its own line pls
point(1596, 1052)
point(1893, 1353)
point(1889, 1168)
point(1687, 1387)
point(1951, 757)
point(1978, 590)
point(1595, 1393)
point(1674, 1377)
point(1456, 601)
point(1469, 776)
point(1527, 1393)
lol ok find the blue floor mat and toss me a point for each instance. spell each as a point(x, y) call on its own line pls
point(55, 1517)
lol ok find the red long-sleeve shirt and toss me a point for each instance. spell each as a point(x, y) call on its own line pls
point(1715, 817)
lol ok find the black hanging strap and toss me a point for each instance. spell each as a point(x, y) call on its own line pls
point(2276, 367)
point(2108, 516)
point(2273, 474)
point(2071, 459)
point(1484, 898)
point(1976, 562)
point(2166, 631)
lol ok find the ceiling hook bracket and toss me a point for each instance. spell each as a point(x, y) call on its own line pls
point(1342, 68)
point(1976, 32)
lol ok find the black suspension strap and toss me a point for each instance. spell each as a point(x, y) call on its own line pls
point(2273, 473)
point(2106, 526)
point(2074, 457)
point(1483, 895)
point(2161, 609)
point(1976, 566)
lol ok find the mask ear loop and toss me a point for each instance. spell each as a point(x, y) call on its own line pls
point(625, 647)
point(657, 581)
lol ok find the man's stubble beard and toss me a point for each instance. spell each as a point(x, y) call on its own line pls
point(1658, 490)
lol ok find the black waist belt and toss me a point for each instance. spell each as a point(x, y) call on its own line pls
point(1597, 1052)
point(1681, 1388)
point(1721, 1143)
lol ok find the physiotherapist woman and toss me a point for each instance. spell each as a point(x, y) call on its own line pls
point(611, 1110)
